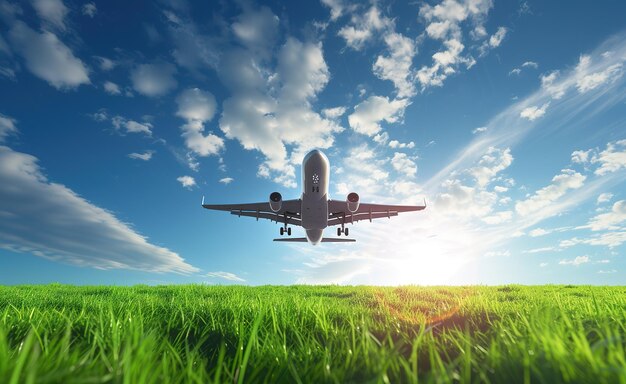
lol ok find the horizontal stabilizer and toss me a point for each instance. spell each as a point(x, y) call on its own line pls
point(324, 240)
point(293, 239)
point(337, 240)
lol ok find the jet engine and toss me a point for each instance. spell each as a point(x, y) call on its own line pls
point(276, 201)
point(353, 202)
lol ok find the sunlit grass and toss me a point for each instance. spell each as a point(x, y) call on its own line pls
point(202, 334)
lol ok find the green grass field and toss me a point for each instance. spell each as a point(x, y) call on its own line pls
point(141, 334)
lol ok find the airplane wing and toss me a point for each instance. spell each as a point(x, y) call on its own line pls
point(289, 211)
point(338, 212)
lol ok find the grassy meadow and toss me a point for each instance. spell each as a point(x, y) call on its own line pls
point(316, 334)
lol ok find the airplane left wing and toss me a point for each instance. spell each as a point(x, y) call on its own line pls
point(338, 212)
point(289, 211)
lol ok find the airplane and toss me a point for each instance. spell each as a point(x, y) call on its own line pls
point(314, 211)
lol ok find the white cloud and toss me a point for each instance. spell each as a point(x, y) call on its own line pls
point(576, 261)
point(397, 66)
point(588, 80)
point(490, 164)
point(604, 198)
point(131, 126)
point(542, 265)
point(111, 88)
point(197, 107)
point(496, 39)
point(47, 57)
point(52, 221)
point(187, 181)
point(105, 64)
point(89, 9)
point(609, 220)
point(334, 113)
point(403, 164)
point(53, 12)
point(271, 107)
point(568, 179)
point(538, 232)
point(337, 8)
point(226, 180)
point(530, 64)
point(257, 30)
point(146, 156)
point(479, 130)
point(533, 112)
point(363, 27)
point(581, 157)
point(396, 144)
point(7, 127)
point(612, 159)
point(225, 275)
point(607, 271)
point(154, 80)
point(368, 114)
point(515, 71)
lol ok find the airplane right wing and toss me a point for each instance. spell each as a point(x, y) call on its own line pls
point(338, 212)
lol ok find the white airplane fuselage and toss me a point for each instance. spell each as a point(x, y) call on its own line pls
point(315, 179)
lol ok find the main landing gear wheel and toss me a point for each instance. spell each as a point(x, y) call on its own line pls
point(338, 231)
point(282, 231)
point(345, 231)
point(289, 231)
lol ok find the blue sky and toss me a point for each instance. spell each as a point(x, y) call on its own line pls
point(508, 117)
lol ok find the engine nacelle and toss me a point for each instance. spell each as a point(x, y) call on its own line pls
point(352, 202)
point(276, 201)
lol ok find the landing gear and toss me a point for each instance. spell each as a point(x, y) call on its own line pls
point(343, 230)
point(284, 230)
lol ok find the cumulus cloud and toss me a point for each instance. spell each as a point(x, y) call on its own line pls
point(337, 8)
point(89, 9)
point(490, 164)
point(609, 220)
point(612, 159)
point(532, 113)
point(334, 113)
point(7, 127)
point(47, 57)
point(362, 27)
point(225, 275)
point(604, 198)
point(154, 80)
point(368, 115)
point(186, 181)
point(257, 30)
point(111, 88)
point(396, 144)
point(226, 180)
point(145, 156)
point(494, 41)
point(403, 164)
point(131, 126)
point(566, 180)
point(52, 221)
point(198, 107)
point(104, 63)
point(271, 108)
point(397, 66)
point(588, 80)
point(52, 12)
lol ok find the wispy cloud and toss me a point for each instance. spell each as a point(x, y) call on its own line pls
point(225, 276)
